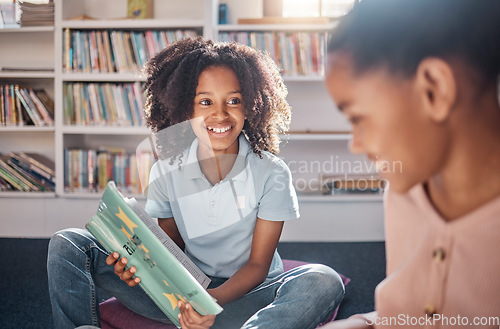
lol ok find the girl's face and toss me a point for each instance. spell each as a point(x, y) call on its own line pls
point(218, 111)
point(388, 125)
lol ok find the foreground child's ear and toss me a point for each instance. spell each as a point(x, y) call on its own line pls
point(436, 84)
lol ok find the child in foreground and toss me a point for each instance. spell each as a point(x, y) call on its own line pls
point(219, 191)
point(418, 80)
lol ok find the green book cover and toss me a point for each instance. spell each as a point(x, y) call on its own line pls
point(119, 226)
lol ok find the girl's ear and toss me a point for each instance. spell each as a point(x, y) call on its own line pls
point(437, 88)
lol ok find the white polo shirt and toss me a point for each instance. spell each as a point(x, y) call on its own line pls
point(217, 222)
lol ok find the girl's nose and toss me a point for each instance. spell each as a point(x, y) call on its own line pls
point(356, 145)
point(220, 113)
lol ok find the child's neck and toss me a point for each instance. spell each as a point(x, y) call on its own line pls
point(216, 166)
point(470, 177)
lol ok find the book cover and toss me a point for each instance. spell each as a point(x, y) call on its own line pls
point(120, 227)
point(140, 8)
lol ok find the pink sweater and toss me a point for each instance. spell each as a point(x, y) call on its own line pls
point(438, 269)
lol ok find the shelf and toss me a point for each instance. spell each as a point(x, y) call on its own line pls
point(38, 195)
point(105, 130)
point(27, 74)
point(97, 195)
point(28, 29)
point(344, 136)
point(154, 24)
point(340, 198)
point(26, 129)
point(276, 27)
point(103, 77)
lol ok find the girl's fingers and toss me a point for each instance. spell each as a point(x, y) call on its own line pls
point(125, 275)
point(197, 317)
point(133, 282)
point(186, 325)
point(120, 265)
point(112, 258)
point(192, 319)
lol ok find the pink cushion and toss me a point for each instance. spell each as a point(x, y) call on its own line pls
point(116, 316)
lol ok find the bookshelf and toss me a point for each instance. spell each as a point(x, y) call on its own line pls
point(318, 131)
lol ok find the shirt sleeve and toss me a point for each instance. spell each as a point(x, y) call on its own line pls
point(279, 200)
point(158, 203)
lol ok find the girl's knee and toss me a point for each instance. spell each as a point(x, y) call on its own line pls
point(323, 279)
point(68, 239)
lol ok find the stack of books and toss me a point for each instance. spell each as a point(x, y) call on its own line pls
point(36, 14)
point(356, 184)
point(20, 106)
point(28, 172)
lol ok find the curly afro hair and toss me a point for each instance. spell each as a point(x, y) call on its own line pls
point(172, 79)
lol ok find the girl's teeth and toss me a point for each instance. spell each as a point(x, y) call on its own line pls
point(220, 130)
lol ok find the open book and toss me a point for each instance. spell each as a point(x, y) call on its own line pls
point(167, 274)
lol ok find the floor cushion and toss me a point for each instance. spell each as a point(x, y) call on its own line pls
point(116, 316)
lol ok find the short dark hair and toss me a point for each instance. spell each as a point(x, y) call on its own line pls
point(399, 34)
point(172, 79)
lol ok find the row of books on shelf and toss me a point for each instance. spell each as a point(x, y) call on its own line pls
point(23, 105)
point(107, 51)
point(296, 53)
point(89, 170)
point(27, 172)
point(116, 104)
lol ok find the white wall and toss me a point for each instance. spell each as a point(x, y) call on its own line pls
point(41, 217)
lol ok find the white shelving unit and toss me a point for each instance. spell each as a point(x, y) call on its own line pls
point(325, 218)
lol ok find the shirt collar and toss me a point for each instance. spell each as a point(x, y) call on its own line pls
point(191, 168)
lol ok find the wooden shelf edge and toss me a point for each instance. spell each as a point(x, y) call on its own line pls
point(275, 27)
point(26, 129)
point(153, 24)
point(7, 194)
point(340, 198)
point(105, 130)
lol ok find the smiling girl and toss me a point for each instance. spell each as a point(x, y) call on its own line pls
point(219, 191)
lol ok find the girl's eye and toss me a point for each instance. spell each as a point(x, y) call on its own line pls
point(206, 102)
point(234, 101)
point(354, 120)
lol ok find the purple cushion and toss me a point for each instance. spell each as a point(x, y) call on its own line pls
point(116, 316)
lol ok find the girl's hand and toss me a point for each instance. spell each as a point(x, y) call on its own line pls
point(190, 319)
point(119, 265)
point(357, 321)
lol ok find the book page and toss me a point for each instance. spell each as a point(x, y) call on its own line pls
point(168, 243)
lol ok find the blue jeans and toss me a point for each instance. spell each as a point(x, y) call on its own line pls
point(300, 298)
